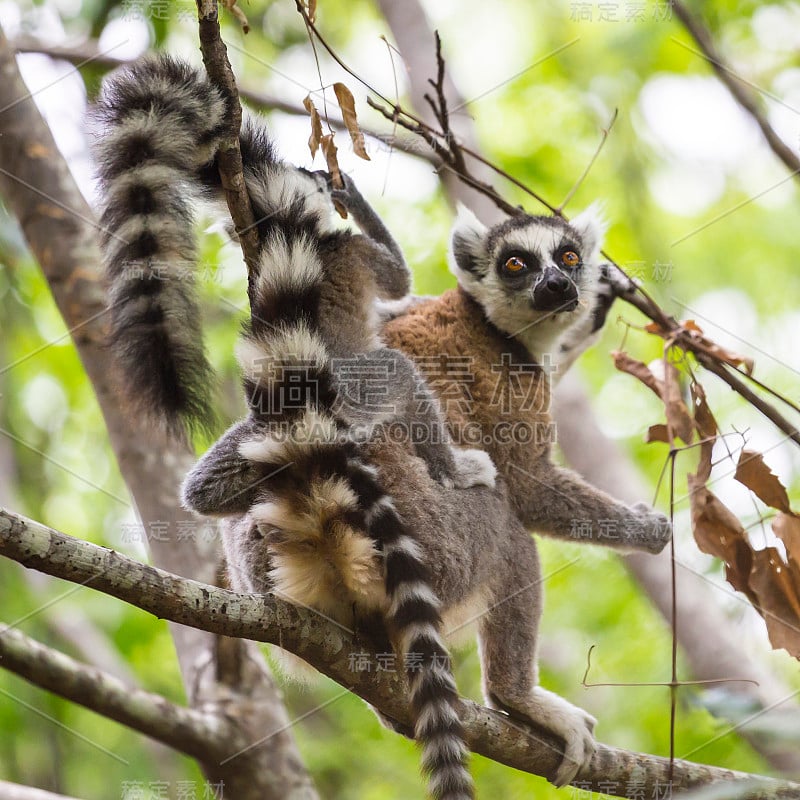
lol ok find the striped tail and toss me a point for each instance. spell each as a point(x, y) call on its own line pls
point(160, 123)
point(415, 623)
point(323, 494)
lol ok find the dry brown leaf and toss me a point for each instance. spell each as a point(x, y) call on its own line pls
point(347, 104)
point(653, 327)
point(657, 433)
point(316, 125)
point(787, 529)
point(718, 533)
point(691, 325)
point(704, 419)
point(706, 427)
point(777, 589)
point(771, 583)
point(329, 151)
point(669, 392)
point(760, 479)
point(677, 413)
point(624, 363)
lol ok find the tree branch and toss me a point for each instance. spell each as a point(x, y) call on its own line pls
point(740, 91)
point(191, 732)
point(330, 649)
point(229, 157)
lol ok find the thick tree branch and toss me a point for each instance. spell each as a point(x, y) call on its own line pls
point(330, 650)
point(192, 732)
point(741, 92)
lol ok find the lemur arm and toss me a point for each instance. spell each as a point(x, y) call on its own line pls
point(563, 505)
point(366, 217)
point(391, 271)
point(223, 482)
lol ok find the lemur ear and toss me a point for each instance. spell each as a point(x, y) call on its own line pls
point(467, 250)
point(592, 225)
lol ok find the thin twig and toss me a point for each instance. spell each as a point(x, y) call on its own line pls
point(444, 152)
point(598, 149)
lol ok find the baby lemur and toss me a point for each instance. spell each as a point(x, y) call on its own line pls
point(323, 500)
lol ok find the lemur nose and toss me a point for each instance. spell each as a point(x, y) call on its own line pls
point(556, 283)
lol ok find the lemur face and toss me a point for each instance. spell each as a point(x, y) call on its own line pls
point(535, 277)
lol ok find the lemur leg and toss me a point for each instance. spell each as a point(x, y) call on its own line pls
point(507, 638)
point(569, 508)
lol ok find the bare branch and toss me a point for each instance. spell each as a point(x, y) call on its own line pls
point(329, 649)
point(740, 91)
point(192, 732)
point(229, 157)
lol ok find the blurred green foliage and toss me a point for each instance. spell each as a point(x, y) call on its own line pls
point(542, 126)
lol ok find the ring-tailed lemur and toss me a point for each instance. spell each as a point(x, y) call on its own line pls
point(469, 551)
point(531, 291)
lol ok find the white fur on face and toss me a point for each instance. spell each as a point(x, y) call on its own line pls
point(510, 308)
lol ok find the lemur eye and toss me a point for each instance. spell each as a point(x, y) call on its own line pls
point(515, 265)
point(569, 258)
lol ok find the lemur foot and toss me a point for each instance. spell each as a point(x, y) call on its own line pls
point(654, 529)
point(473, 468)
point(566, 721)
